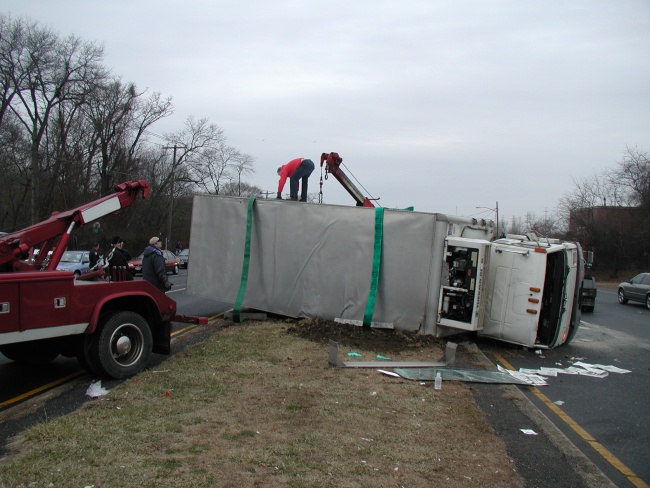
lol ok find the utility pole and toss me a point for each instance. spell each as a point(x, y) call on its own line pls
point(171, 199)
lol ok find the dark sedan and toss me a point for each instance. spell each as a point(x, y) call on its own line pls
point(637, 290)
point(172, 263)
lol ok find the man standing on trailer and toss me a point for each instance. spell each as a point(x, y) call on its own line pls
point(296, 170)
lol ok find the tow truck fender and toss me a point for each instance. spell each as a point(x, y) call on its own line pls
point(100, 306)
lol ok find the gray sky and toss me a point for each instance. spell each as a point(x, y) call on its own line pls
point(443, 105)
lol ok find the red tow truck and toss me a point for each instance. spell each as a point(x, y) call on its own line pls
point(110, 326)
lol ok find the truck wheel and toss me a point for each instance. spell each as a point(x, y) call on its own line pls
point(37, 353)
point(621, 296)
point(122, 345)
point(85, 356)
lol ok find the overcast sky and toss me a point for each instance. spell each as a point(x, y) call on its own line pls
point(443, 105)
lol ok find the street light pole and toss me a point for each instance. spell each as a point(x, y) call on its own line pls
point(496, 211)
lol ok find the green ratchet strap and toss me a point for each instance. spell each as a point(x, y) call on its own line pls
point(247, 259)
point(376, 264)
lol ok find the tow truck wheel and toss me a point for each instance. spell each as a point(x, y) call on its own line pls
point(122, 345)
point(86, 357)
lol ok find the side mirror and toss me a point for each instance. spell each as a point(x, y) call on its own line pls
point(589, 258)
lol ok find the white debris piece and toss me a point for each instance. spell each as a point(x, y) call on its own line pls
point(96, 390)
point(388, 373)
point(528, 431)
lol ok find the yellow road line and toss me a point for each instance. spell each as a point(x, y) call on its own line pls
point(42, 388)
point(597, 446)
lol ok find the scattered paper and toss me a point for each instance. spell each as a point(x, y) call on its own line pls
point(354, 354)
point(558, 402)
point(528, 431)
point(530, 379)
point(579, 368)
point(612, 369)
point(379, 356)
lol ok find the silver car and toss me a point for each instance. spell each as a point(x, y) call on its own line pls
point(75, 261)
point(637, 289)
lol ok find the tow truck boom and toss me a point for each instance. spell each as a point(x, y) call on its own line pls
point(14, 246)
point(332, 163)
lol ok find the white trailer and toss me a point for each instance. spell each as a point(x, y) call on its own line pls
point(428, 272)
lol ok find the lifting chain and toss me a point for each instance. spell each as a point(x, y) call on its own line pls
point(320, 193)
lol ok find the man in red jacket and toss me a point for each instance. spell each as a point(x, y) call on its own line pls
point(296, 170)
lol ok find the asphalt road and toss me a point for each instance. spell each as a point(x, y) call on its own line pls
point(608, 419)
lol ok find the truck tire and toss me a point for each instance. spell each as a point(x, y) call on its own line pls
point(122, 345)
point(36, 353)
point(86, 357)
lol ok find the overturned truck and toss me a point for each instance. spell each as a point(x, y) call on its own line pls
point(428, 272)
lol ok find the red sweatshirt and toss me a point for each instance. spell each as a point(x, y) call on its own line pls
point(287, 170)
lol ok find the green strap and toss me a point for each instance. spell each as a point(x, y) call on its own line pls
point(247, 259)
point(376, 264)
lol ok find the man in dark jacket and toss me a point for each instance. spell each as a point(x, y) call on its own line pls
point(153, 265)
point(118, 264)
point(93, 255)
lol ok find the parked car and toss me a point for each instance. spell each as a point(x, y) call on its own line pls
point(77, 261)
point(637, 289)
point(184, 257)
point(172, 263)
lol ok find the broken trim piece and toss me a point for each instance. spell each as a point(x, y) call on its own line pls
point(448, 358)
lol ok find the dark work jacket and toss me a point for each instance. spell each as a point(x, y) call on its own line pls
point(153, 268)
point(116, 259)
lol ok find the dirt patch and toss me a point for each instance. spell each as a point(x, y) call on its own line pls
point(378, 340)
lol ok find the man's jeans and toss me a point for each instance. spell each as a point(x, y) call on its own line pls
point(302, 173)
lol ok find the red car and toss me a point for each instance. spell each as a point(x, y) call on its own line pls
point(171, 263)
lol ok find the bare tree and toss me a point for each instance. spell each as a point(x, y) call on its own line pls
point(632, 176)
point(49, 71)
